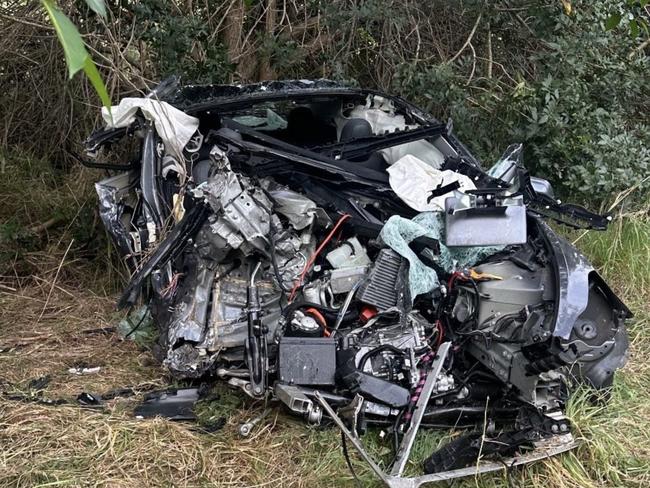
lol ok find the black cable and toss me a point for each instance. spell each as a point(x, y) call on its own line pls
point(137, 326)
point(398, 421)
point(346, 455)
point(110, 167)
point(477, 301)
point(377, 350)
point(445, 393)
point(274, 263)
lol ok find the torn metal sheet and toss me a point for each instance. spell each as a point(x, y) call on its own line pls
point(488, 218)
point(116, 196)
point(243, 211)
point(297, 208)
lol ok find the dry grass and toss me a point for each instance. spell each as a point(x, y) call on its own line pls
point(67, 445)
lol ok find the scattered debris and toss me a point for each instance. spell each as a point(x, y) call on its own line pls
point(89, 400)
point(37, 385)
point(32, 392)
point(174, 404)
point(341, 252)
point(78, 370)
point(246, 428)
point(210, 427)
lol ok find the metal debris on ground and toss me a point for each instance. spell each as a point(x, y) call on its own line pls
point(174, 404)
point(82, 371)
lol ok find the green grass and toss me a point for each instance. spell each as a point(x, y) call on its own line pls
point(43, 209)
point(622, 254)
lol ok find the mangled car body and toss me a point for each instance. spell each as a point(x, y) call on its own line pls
point(340, 251)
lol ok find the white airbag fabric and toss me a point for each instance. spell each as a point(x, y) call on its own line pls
point(174, 126)
point(413, 180)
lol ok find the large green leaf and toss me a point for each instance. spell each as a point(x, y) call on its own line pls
point(97, 6)
point(69, 37)
point(76, 55)
point(96, 79)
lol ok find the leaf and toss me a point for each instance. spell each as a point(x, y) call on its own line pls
point(634, 29)
point(612, 21)
point(76, 55)
point(69, 37)
point(566, 4)
point(97, 6)
point(98, 84)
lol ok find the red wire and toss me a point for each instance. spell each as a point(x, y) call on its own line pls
point(312, 259)
point(319, 316)
point(452, 278)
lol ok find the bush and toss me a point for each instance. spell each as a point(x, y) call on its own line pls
point(583, 116)
point(566, 78)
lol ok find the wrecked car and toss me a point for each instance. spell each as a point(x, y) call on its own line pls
point(341, 252)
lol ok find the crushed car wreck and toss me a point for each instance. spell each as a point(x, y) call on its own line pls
point(340, 251)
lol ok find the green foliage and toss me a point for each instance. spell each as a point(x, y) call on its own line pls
point(35, 193)
point(623, 255)
point(569, 79)
point(285, 55)
point(181, 43)
point(97, 6)
point(583, 118)
point(633, 11)
point(76, 55)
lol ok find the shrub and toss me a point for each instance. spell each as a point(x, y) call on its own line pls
point(583, 115)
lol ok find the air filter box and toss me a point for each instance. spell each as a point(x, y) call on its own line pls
point(381, 288)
